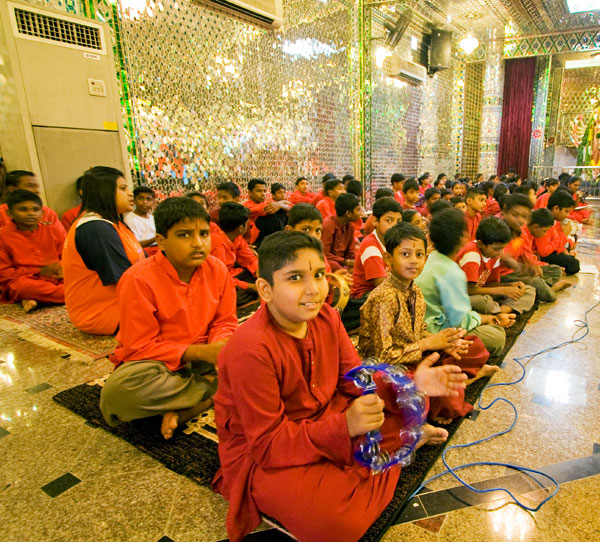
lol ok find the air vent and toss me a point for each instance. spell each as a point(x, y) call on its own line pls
point(31, 23)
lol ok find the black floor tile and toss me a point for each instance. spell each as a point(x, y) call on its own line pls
point(473, 415)
point(40, 387)
point(413, 511)
point(60, 485)
point(3, 432)
point(165, 539)
point(268, 535)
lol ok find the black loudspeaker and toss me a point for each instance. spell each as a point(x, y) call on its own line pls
point(440, 50)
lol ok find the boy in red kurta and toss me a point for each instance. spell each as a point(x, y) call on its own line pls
point(332, 188)
point(229, 246)
point(26, 180)
point(301, 194)
point(260, 206)
point(286, 416)
point(475, 201)
point(30, 251)
point(184, 312)
point(548, 238)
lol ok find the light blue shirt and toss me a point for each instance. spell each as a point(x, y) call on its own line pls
point(444, 285)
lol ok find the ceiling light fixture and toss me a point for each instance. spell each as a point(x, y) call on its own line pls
point(469, 43)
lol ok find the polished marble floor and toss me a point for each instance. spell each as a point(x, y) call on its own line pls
point(62, 480)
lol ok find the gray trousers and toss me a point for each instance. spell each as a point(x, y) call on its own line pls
point(487, 304)
point(543, 285)
point(140, 389)
point(492, 337)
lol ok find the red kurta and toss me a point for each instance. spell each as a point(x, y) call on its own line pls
point(399, 197)
point(542, 201)
point(69, 217)
point(48, 215)
point(326, 207)
point(22, 255)
point(169, 314)
point(338, 242)
point(554, 240)
point(256, 210)
point(232, 252)
point(472, 224)
point(284, 445)
point(492, 208)
point(318, 197)
point(299, 197)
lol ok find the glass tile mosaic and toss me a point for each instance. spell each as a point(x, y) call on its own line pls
point(472, 118)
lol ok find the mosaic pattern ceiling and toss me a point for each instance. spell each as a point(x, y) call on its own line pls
point(479, 16)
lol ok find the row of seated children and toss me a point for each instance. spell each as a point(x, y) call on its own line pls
point(187, 312)
point(288, 357)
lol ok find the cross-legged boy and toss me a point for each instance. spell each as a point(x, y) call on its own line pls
point(480, 260)
point(410, 191)
point(393, 324)
point(444, 286)
point(301, 194)
point(520, 263)
point(260, 207)
point(141, 221)
point(177, 310)
point(369, 267)
point(286, 418)
point(332, 188)
point(475, 202)
point(273, 221)
point(338, 233)
point(26, 180)
point(229, 246)
point(549, 240)
point(30, 252)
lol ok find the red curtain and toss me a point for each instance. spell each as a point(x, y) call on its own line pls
point(515, 134)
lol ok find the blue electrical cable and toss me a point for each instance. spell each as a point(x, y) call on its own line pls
point(581, 325)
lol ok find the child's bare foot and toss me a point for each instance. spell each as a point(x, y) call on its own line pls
point(505, 309)
point(174, 418)
point(506, 320)
point(29, 304)
point(169, 423)
point(442, 421)
point(561, 285)
point(432, 435)
point(484, 372)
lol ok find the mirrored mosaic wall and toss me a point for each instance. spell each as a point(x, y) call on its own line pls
point(411, 126)
point(208, 98)
point(575, 99)
point(472, 118)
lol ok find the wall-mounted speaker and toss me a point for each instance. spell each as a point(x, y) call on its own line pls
point(440, 50)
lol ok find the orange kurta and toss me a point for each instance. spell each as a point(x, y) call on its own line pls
point(299, 197)
point(169, 314)
point(92, 306)
point(22, 255)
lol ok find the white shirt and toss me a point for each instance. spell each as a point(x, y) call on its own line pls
point(142, 228)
